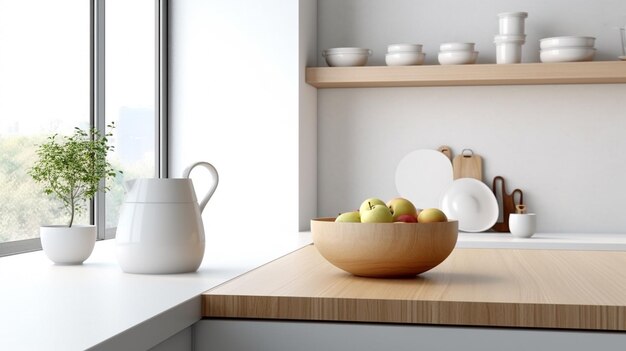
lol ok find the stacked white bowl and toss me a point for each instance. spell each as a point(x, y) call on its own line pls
point(457, 54)
point(404, 55)
point(511, 37)
point(567, 49)
point(346, 57)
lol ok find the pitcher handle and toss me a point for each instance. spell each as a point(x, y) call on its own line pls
point(215, 176)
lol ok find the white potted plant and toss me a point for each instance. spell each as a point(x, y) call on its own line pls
point(70, 170)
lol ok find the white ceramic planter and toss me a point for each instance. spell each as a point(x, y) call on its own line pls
point(68, 245)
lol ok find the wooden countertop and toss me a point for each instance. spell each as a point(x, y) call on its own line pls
point(473, 287)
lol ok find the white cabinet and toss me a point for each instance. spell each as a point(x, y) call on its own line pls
point(243, 335)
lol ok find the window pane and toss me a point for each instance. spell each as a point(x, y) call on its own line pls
point(130, 94)
point(44, 89)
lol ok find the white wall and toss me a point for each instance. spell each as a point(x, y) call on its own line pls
point(235, 77)
point(562, 145)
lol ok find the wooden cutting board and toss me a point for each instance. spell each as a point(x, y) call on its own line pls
point(507, 204)
point(445, 149)
point(467, 165)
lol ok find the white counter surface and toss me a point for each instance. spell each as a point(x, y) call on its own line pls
point(45, 306)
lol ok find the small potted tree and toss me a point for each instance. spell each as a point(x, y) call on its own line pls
point(70, 169)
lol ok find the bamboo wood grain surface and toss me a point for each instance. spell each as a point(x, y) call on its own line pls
point(473, 287)
point(598, 72)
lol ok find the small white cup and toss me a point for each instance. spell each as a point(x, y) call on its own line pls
point(512, 23)
point(522, 225)
point(509, 48)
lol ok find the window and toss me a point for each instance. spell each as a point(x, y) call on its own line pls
point(50, 82)
point(130, 97)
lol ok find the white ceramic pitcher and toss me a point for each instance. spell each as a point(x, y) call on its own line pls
point(160, 229)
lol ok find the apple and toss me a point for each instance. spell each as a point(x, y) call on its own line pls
point(377, 214)
point(406, 218)
point(369, 203)
point(431, 215)
point(349, 217)
point(400, 206)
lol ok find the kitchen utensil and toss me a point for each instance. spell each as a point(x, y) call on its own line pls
point(422, 176)
point(457, 57)
point(569, 54)
point(508, 203)
point(404, 48)
point(444, 149)
point(568, 41)
point(509, 48)
point(523, 225)
point(346, 57)
point(512, 23)
point(472, 203)
point(384, 249)
point(457, 47)
point(404, 58)
point(160, 227)
point(468, 165)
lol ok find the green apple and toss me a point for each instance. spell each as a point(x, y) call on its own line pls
point(349, 217)
point(377, 214)
point(369, 203)
point(401, 206)
point(431, 215)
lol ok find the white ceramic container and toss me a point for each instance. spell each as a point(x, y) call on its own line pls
point(457, 47)
point(561, 42)
point(569, 54)
point(65, 245)
point(523, 225)
point(404, 48)
point(160, 229)
point(404, 58)
point(457, 57)
point(512, 23)
point(509, 48)
point(346, 57)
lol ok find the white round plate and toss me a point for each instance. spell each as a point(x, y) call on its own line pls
point(623, 58)
point(472, 203)
point(422, 176)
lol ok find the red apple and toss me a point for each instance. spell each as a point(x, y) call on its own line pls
point(406, 218)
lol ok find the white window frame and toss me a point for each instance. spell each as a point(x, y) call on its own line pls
point(97, 109)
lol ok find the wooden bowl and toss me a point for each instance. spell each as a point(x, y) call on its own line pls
point(384, 249)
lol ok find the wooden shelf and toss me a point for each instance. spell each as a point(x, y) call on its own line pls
point(601, 72)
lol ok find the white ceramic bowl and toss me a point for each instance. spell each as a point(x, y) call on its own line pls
point(346, 57)
point(512, 23)
point(404, 48)
point(559, 42)
point(522, 225)
point(569, 54)
point(457, 57)
point(457, 47)
point(404, 58)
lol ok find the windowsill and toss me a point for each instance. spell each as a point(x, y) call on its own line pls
point(45, 306)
